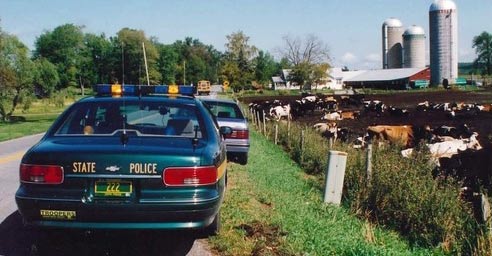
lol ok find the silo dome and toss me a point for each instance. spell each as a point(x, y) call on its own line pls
point(439, 5)
point(392, 31)
point(443, 41)
point(414, 30)
point(414, 47)
point(392, 22)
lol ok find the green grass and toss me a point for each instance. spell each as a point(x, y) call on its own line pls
point(32, 124)
point(273, 197)
point(37, 119)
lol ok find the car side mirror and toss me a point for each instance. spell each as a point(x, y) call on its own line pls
point(225, 130)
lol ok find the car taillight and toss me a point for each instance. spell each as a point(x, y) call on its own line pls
point(238, 134)
point(42, 174)
point(190, 176)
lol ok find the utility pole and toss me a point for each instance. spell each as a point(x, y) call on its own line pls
point(184, 72)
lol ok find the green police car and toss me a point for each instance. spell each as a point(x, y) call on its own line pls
point(131, 157)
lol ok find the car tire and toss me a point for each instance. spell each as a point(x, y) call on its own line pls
point(242, 159)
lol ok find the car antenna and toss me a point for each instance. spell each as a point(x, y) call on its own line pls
point(124, 136)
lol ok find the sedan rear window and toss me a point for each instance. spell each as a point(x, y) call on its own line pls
point(151, 119)
point(224, 110)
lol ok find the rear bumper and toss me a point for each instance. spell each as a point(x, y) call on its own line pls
point(120, 215)
point(237, 148)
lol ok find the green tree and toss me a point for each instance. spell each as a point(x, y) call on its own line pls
point(16, 74)
point(45, 77)
point(64, 47)
point(98, 64)
point(265, 68)
point(238, 58)
point(483, 45)
point(196, 61)
point(167, 63)
point(130, 40)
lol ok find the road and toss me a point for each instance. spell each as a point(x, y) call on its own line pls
point(17, 240)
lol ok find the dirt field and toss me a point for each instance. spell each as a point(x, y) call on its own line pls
point(481, 123)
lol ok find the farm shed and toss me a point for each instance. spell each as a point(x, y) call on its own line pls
point(395, 79)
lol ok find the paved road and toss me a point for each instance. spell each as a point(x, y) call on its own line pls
point(17, 240)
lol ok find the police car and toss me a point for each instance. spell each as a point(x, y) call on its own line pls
point(131, 157)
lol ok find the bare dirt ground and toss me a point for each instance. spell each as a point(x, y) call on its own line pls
point(480, 123)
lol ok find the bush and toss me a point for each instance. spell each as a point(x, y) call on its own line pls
point(403, 196)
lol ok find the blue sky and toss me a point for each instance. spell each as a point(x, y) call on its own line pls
point(351, 28)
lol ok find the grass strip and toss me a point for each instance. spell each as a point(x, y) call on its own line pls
point(272, 208)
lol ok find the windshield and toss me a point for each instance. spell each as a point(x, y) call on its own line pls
point(144, 118)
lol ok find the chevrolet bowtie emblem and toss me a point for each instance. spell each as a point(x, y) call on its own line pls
point(113, 168)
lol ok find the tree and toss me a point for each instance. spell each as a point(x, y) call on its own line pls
point(64, 47)
point(133, 57)
point(308, 59)
point(239, 58)
point(266, 67)
point(16, 74)
point(45, 77)
point(199, 61)
point(483, 45)
point(98, 63)
point(167, 63)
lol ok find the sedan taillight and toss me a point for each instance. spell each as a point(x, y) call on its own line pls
point(41, 174)
point(190, 176)
point(238, 134)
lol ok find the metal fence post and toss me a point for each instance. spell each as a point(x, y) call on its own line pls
point(335, 174)
point(369, 164)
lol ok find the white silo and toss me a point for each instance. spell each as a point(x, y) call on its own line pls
point(443, 35)
point(392, 31)
point(414, 47)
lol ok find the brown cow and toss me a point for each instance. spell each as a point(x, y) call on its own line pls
point(350, 114)
point(406, 135)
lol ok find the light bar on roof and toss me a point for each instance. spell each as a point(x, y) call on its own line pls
point(135, 90)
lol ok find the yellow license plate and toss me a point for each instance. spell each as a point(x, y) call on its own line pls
point(116, 188)
point(57, 215)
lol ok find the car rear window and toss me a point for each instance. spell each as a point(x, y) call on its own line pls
point(224, 109)
point(147, 119)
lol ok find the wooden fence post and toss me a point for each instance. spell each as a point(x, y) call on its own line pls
point(302, 146)
point(276, 134)
point(259, 121)
point(264, 124)
point(288, 132)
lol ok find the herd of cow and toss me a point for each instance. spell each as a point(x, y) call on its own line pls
point(455, 149)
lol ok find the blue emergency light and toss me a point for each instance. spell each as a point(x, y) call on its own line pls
point(118, 90)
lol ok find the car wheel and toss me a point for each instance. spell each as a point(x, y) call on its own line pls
point(242, 159)
point(214, 228)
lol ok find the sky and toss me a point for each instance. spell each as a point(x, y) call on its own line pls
point(350, 28)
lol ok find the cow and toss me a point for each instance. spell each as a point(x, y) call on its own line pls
point(328, 130)
point(459, 132)
point(281, 111)
point(406, 135)
point(332, 116)
point(350, 114)
point(447, 149)
point(398, 112)
point(376, 106)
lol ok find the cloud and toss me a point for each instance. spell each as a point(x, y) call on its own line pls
point(349, 58)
